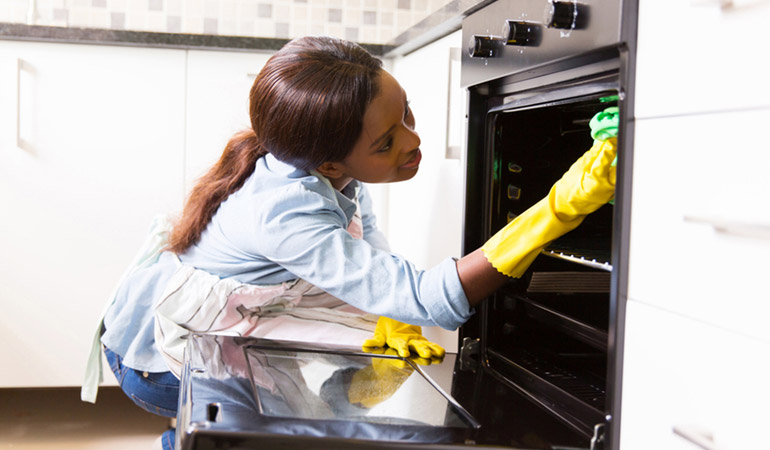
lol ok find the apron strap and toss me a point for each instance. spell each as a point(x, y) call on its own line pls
point(150, 251)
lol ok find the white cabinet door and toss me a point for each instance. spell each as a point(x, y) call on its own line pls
point(218, 85)
point(425, 214)
point(703, 381)
point(100, 134)
point(698, 56)
point(700, 224)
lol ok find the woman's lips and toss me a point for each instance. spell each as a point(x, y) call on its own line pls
point(414, 161)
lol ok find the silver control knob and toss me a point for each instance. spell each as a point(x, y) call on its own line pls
point(485, 46)
point(566, 15)
point(517, 32)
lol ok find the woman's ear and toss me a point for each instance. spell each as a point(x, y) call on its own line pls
point(331, 170)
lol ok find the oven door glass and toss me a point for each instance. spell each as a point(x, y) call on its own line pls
point(369, 388)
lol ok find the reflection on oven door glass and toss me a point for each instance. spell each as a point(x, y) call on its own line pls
point(376, 389)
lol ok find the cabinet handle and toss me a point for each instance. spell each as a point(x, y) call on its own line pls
point(19, 64)
point(728, 4)
point(701, 438)
point(746, 229)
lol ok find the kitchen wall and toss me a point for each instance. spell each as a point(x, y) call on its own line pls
point(367, 21)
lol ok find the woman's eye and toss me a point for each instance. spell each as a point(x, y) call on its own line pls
point(406, 110)
point(387, 145)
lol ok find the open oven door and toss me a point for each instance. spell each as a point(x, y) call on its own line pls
point(255, 393)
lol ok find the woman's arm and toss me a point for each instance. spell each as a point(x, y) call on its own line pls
point(478, 277)
point(587, 186)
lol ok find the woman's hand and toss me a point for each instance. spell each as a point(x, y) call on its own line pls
point(403, 338)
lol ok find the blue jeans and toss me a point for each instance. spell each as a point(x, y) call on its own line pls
point(154, 392)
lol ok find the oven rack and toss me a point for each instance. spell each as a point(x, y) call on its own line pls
point(581, 257)
point(583, 332)
point(572, 395)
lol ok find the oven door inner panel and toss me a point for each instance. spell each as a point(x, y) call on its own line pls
point(546, 333)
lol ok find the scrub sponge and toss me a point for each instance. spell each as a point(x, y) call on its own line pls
point(604, 125)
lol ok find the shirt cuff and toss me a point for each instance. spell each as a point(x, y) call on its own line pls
point(450, 308)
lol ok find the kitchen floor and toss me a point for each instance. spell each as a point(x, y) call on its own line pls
point(56, 419)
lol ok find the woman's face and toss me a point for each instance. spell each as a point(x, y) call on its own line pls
point(388, 149)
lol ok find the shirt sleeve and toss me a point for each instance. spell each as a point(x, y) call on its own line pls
point(372, 234)
point(307, 236)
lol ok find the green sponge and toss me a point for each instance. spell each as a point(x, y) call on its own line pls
point(604, 125)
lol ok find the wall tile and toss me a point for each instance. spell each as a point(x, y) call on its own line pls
point(210, 26)
point(154, 21)
point(174, 24)
point(264, 10)
point(61, 15)
point(118, 20)
point(282, 30)
point(335, 15)
point(369, 21)
point(351, 33)
point(299, 13)
point(173, 7)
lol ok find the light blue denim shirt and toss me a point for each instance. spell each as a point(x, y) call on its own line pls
point(285, 224)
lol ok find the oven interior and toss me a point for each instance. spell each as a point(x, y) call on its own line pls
point(546, 334)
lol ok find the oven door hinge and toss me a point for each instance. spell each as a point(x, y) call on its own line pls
point(469, 354)
point(597, 441)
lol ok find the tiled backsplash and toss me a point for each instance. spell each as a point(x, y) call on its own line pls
point(367, 21)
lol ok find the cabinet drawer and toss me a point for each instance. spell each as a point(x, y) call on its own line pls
point(694, 56)
point(682, 373)
point(711, 167)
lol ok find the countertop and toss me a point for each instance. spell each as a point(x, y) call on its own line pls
point(438, 24)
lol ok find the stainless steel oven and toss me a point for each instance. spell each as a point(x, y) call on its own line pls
point(536, 73)
point(539, 363)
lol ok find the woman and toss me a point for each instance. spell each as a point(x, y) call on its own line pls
point(278, 239)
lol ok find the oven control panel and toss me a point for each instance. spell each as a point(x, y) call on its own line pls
point(507, 37)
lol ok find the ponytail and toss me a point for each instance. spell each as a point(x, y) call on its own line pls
point(226, 176)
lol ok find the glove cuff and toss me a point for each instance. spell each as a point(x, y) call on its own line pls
point(512, 249)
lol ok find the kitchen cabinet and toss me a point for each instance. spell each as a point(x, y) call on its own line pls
point(425, 214)
point(95, 141)
point(696, 56)
point(696, 343)
point(699, 205)
point(686, 380)
point(91, 151)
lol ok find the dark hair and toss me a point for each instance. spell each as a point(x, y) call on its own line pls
point(307, 107)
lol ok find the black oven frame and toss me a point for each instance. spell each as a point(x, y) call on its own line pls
point(551, 81)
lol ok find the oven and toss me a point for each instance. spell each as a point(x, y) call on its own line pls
point(536, 73)
point(539, 364)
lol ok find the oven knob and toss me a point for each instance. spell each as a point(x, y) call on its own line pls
point(566, 15)
point(518, 32)
point(484, 46)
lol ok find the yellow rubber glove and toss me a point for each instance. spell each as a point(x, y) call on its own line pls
point(378, 382)
point(584, 188)
point(402, 337)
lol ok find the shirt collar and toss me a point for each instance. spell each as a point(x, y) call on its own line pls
point(346, 199)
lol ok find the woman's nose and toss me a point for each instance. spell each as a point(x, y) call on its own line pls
point(411, 139)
